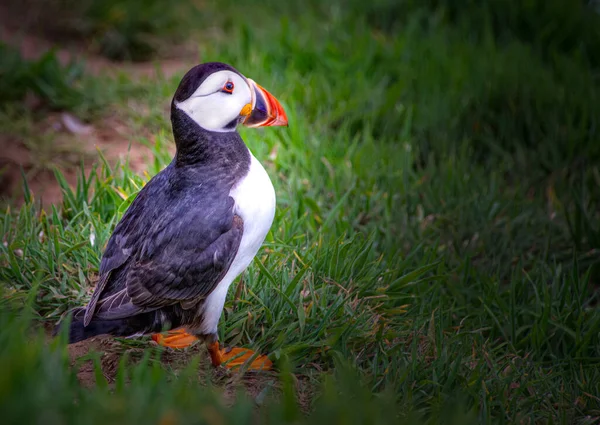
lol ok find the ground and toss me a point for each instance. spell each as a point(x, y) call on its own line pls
point(435, 254)
point(110, 353)
point(111, 135)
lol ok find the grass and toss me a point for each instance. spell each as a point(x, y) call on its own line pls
point(437, 223)
point(53, 83)
point(28, 399)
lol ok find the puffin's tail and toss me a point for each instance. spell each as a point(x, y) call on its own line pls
point(117, 327)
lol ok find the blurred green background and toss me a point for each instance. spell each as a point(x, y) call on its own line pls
point(435, 253)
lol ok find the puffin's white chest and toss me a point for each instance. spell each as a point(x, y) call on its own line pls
point(254, 199)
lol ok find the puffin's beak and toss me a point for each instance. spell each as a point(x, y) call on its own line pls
point(265, 109)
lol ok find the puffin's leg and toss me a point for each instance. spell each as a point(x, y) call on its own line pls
point(229, 357)
point(233, 358)
point(177, 338)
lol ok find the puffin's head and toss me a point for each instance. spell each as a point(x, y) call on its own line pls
point(218, 98)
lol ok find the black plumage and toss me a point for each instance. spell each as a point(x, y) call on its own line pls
point(177, 239)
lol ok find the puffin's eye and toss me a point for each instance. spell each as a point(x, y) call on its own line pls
point(228, 87)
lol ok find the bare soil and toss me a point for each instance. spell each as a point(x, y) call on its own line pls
point(110, 352)
point(107, 136)
point(85, 373)
point(111, 135)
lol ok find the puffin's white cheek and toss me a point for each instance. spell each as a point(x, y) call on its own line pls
point(214, 112)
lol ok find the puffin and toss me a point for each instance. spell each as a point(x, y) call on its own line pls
point(194, 227)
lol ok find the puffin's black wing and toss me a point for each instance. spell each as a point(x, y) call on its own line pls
point(173, 245)
point(180, 272)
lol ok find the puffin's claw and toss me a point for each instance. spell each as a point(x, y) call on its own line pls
point(233, 358)
point(230, 357)
point(177, 338)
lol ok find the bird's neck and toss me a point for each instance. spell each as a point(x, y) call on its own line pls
point(197, 146)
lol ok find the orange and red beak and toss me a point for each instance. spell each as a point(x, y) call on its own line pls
point(265, 109)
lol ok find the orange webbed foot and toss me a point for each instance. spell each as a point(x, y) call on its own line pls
point(233, 358)
point(177, 338)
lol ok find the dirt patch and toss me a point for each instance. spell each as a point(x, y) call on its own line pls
point(111, 136)
point(85, 368)
point(256, 385)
